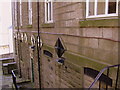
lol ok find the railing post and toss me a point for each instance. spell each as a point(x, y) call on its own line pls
point(117, 78)
point(108, 76)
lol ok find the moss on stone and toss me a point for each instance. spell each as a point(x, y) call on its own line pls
point(84, 62)
point(75, 68)
point(48, 48)
point(47, 25)
point(29, 26)
point(99, 23)
point(76, 60)
point(16, 27)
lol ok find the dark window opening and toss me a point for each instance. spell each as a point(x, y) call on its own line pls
point(93, 73)
point(111, 7)
point(48, 53)
point(50, 9)
point(47, 11)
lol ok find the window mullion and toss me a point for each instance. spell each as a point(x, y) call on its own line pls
point(48, 11)
point(45, 12)
point(31, 15)
point(87, 7)
point(95, 10)
point(15, 13)
point(30, 11)
point(51, 10)
point(117, 7)
point(20, 13)
point(106, 7)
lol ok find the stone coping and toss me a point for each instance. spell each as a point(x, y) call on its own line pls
point(3, 59)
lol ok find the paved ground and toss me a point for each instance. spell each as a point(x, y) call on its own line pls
point(0, 75)
point(5, 80)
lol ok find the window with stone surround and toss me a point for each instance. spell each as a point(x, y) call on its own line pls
point(48, 11)
point(101, 8)
point(20, 13)
point(30, 12)
point(15, 14)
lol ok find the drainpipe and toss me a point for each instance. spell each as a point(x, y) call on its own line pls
point(38, 45)
point(18, 41)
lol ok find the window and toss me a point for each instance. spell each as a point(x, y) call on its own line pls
point(20, 13)
point(48, 11)
point(15, 13)
point(30, 12)
point(101, 8)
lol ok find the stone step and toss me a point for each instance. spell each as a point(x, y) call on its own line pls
point(8, 64)
point(7, 60)
point(7, 55)
point(7, 67)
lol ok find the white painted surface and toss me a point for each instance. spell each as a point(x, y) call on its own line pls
point(6, 41)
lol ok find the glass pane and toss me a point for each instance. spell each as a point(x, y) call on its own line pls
point(112, 6)
point(101, 7)
point(50, 10)
point(91, 7)
point(47, 11)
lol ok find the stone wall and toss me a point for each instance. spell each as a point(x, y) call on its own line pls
point(88, 43)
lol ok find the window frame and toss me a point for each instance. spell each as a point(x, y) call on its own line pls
point(95, 10)
point(48, 15)
point(30, 12)
point(15, 13)
point(20, 12)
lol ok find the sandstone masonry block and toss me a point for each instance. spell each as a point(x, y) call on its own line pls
point(106, 44)
point(93, 43)
point(107, 33)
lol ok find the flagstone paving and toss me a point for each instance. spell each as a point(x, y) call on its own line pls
point(5, 80)
point(0, 75)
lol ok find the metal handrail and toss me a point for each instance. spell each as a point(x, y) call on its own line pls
point(14, 79)
point(100, 73)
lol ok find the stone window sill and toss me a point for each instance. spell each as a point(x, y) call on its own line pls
point(104, 23)
point(28, 26)
point(21, 27)
point(47, 25)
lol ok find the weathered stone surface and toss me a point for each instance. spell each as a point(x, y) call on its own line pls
point(93, 43)
point(108, 33)
point(106, 44)
point(88, 43)
point(92, 32)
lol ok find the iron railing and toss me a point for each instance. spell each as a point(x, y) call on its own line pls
point(100, 74)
